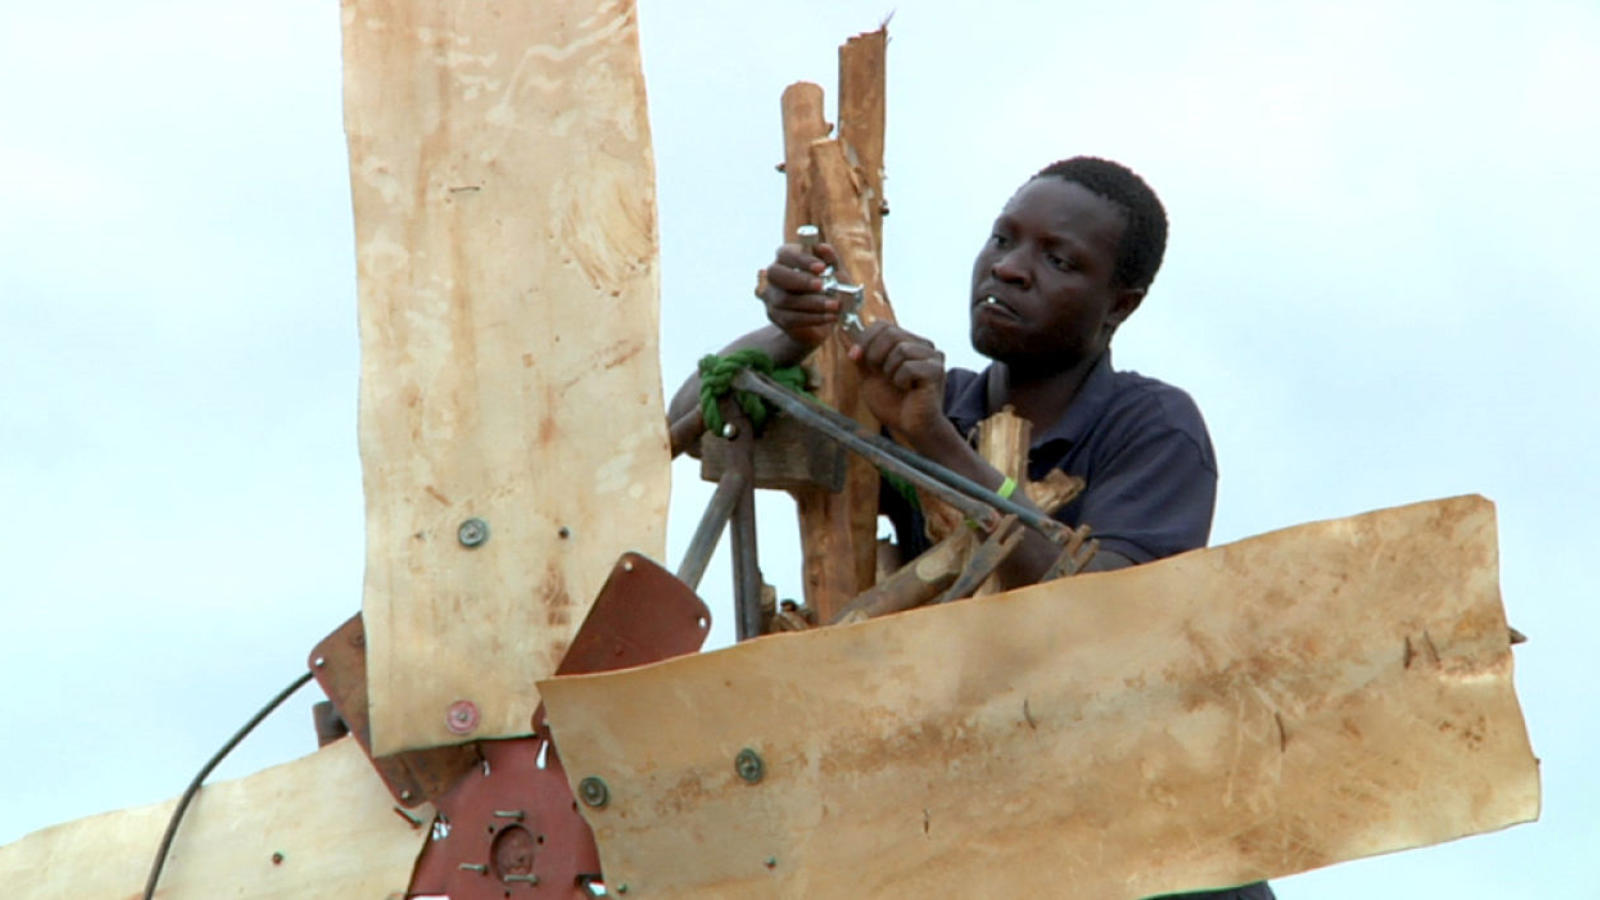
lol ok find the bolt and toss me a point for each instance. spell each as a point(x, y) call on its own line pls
point(319, 662)
point(277, 859)
point(461, 717)
point(593, 792)
point(525, 879)
point(472, 532)
point(475, 867)
point(622, 888)
point(509, 814)
point(405, 795)
point(772, 862)
point(749, 766)
point(730, 430)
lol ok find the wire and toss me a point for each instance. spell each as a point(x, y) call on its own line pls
point(194, 786)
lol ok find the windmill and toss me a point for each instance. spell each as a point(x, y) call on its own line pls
point(443, 598)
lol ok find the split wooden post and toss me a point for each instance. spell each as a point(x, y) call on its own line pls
point(837, 184)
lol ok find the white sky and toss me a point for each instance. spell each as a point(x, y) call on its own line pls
point(1379, 289)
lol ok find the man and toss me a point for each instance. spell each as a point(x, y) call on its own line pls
point(1069, 259)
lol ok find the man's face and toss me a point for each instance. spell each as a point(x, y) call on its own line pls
point(1042, 296)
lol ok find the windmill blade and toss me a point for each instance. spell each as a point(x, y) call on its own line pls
point(512, 428)
point(1312, 695)
point(321, 826)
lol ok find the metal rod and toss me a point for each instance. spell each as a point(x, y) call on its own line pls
point(972, 499)
point(746, 565)
point(682, 434)
point(709, 531)
point(746, 568)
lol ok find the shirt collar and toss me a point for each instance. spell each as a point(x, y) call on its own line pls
point(971, 405)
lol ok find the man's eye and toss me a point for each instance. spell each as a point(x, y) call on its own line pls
point(999, 240)
point(1060, 262)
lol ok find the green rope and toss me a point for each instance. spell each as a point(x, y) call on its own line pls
point(716, 380)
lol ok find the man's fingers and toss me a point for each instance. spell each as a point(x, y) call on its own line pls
point(793, 280)
point(914, 374)
point(795, 257)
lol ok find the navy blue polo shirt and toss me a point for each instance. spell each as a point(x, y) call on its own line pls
point(1150, 476)
point(1139, 444)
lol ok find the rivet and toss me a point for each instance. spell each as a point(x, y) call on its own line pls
point(472, 532)
point(461, 717)
point(772, 862)
point(405, 795)
point(627, 565)
point(749, 765)
point(277, 859)
point(593, 792)
point(730, 430)
point(622, 888)
point(564, 532)
point(319, 662)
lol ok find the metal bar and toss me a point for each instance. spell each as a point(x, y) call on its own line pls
point(746, 566)
point(682, 434)
point(972, 499)
point(709, 531)
point(746, 570)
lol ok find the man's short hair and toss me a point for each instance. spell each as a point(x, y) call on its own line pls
point(1144, 240)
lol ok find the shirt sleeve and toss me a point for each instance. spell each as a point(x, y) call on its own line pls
point(1151, 497)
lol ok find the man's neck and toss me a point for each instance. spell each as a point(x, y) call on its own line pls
point(1042, 396)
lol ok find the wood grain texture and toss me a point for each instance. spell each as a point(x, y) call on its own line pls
point(505, 237)
point(839, 530)
point(1312, 695)
point(327, 816)
point(863, 90)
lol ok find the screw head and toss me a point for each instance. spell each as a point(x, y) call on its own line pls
point(472, 532)
point(461, 717)
point(319, 662)
point(730, 430)
point(593, 792)
point(749, 766)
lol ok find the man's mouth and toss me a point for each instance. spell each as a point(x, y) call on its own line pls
point(991, 302)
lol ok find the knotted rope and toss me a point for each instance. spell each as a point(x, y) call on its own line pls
point(716, 380)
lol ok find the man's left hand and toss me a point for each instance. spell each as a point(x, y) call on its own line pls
point(902, 381)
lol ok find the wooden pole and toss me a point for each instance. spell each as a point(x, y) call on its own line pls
point(837, 185)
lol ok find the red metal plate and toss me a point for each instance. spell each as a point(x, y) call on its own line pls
point(512, 829)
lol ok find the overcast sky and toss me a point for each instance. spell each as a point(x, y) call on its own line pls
point(1380, 288)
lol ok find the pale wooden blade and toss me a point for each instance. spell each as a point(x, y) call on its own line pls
point(321, 826)
point(1312, 695)
point(505, 229)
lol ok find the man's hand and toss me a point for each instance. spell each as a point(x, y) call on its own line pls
point(794, 303)
point(902, 382)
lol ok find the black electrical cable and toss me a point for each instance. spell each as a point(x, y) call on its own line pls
point(194, 786)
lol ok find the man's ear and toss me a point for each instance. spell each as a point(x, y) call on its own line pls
point(1127, 300)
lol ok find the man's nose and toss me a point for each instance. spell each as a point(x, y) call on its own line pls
point(1011, 268)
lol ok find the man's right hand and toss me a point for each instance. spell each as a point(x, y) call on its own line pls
point(792, 293)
